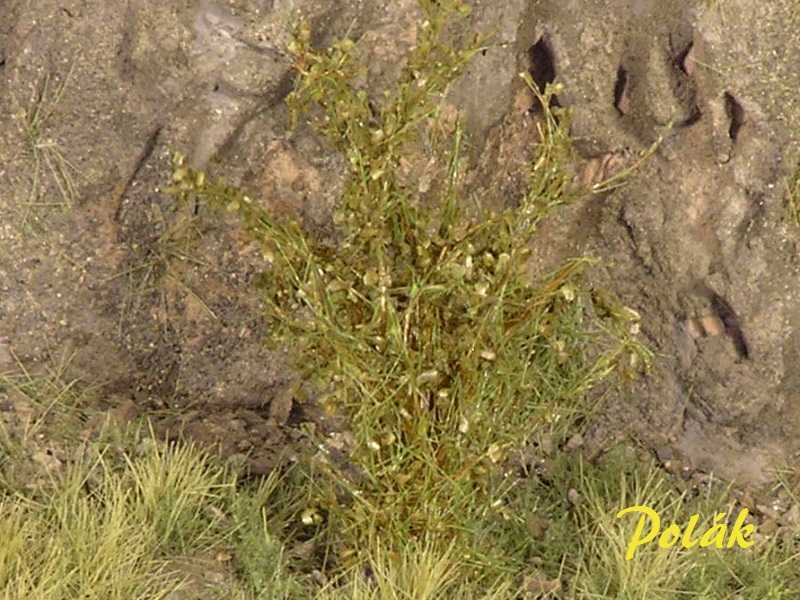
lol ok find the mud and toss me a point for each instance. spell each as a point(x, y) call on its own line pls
point(157, 307)
point(697, 242)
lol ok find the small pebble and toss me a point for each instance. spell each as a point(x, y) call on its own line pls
point(694, 329)
point(573, 496)
point(664, 454)
point(792, 516)
point(6, 359)
point(712, 325)
point(768, 527)
point(575, 442)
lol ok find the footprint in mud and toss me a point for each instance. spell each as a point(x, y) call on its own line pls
point(600, 169)
point(703, 207)
point(622, 98)
point(540, 63)
point(721, 321)
point(687, 129)
point(665, 88)
point(541, 66)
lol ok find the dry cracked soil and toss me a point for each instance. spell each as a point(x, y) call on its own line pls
point(95, 277)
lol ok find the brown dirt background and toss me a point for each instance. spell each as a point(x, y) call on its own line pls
point(698, 242)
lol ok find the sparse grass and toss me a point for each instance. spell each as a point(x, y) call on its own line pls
point(120, 523)
point(46, 391)
point(158, 265)
point(793, 198)
point(52, 171)
point(48, 406)
point(584, 543)
point(79, 544)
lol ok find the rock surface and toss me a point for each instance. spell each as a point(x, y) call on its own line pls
point(94, 97)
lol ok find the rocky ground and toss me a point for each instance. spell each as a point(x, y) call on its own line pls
point(102, 281)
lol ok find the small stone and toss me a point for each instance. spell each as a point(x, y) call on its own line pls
point(303, 550)
point(318, 577)
point(523, 100)
point(537, 585)
point(689, 64)
point(546, 444)
point(747, 501)
point(237, 460)
point(767, 511)
point(215, 577)
point(125, 412)
point(47, 460)
point(573, 496)
point(495, 453)
point(712, 325)
point(6, 358)
point(261, 465)
point(768, 527)
point(281, 406)
point(575, 442)
point(693, 328)
point(664, 453)
point(792, 516)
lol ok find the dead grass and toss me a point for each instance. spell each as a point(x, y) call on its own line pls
point(585, 545)
point(159, 265)
point(47, 407)
point(52, 173)
point(121, 523)
point(793, 198)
